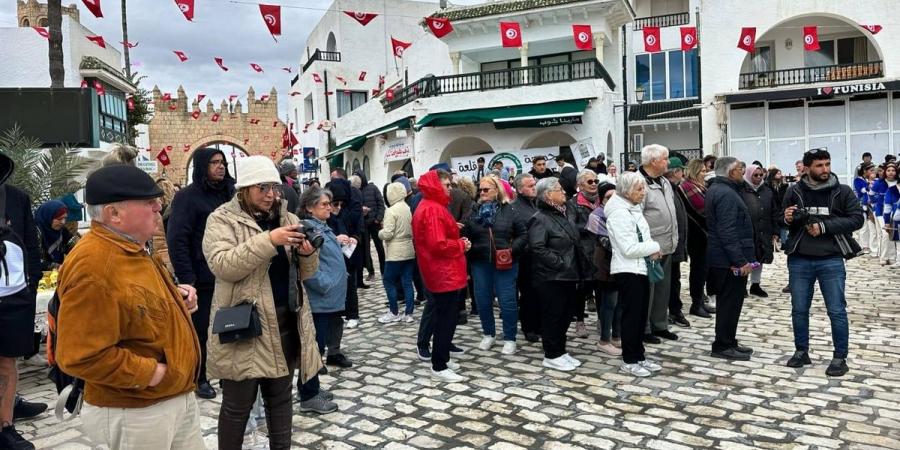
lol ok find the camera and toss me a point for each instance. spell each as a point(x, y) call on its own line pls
point(804, 217)
point(313, 235)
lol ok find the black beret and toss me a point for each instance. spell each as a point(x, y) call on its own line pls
point(118, 183)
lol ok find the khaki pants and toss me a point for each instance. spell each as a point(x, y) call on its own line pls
point(170, 424)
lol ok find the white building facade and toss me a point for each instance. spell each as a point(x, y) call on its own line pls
point(467, 95)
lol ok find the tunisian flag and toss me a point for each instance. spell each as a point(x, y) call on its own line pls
point(180, 54)
point(271, 14)
point(810, 38)
point(510, 34)
point(584, 38)
point(651, 40)
point(256, 67)
point(288, 140)
point(362, 17)
point(399, 47)
point(439, 26)
point(163, 158)
point(221, 63)
point(688, 38)
point(97, 40)
point(874, 29)
point(748, 39)
point(94, 7)
point(187, 8)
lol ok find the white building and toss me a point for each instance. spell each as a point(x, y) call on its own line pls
point(781, 100)
point(467, 95)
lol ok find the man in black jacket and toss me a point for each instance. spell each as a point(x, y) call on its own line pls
point(730, 254)
point(539, 168)
point(822, 214)
point(373, 211)
point(288, 171)
point(675, 175)
point(568, 175)
point(211, 186)
point(524, 208)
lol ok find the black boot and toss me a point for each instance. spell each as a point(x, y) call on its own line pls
point(698, 309)
point(758, 291)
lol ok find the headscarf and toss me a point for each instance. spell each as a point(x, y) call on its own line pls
point(43, 217)
point(748, 176)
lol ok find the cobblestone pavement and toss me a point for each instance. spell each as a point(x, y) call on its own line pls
point(387, 400)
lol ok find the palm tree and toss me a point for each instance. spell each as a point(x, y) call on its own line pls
point(125, 39)
point(54, 19)
point(43, 174)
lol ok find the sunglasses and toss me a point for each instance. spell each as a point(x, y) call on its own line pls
point(813, 151)
point(337, 204)
point(592, 181)
point(483, 190)
point(266, 188)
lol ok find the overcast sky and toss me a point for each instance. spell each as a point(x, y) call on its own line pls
point(221, 28)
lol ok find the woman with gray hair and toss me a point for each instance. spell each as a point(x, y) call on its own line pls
point(584, 203)
point(632, 247)
point(557, 265)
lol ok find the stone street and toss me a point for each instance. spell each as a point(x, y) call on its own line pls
point(387, 400)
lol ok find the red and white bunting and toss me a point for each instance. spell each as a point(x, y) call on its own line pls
point(129, 44)
point(256, 67)
point(362, 76)
point(651, 40)
point(439, 26)
point(215, 117)
point(362, 17)
point(221, 63)
point(200, 97)
point(187, 8)
point(874, 29)
point(584, 37)
point(97, 40)
point(510, 34)
point(688, 38)
point(180, 54)
point(94, 7)
point(195, 115)
point(399, 47)
point(316, 77)
point(43, 32)
point(287, 69)
point(271, 14)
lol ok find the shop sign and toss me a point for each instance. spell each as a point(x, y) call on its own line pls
point(397, 150)
point(514, 161)
point(852, 88)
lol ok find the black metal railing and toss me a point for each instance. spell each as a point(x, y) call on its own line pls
point(499, 79)
point(322, 55)
point(668, 20)
point(804, 75)
point(688, 153)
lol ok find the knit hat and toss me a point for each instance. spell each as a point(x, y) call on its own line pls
point(287, 166)
point(118, 183)
point(255, 170)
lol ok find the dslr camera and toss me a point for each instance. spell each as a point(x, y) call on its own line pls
point(314, 236)
point(804, 217)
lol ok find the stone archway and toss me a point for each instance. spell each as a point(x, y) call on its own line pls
point(551, 138)
point(331, 44)
point(465, 146)
point(233, 152)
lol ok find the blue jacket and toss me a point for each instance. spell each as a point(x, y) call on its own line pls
point(877, 194)
point(730, 228)
point(327, 289)
point(861, 188)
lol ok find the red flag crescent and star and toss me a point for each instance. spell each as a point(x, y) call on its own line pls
point(167, 97)
point(439, 26)
point(810, 38)
point(651, 40)
point(180, 54)
point(187, 8)
point(510, 34)
point(362, 17)
point(584, 37)
point(221, 63)
point(256, 67)
point(129, 44)
point(688, 38)
point(232, 97)
point(94, 7)
point(399, 46)
point(163, 158)
point(874, 29)
point(97, 40)
point(264, 98)
point(316, 77)
point(747, 41)
point(287, 69)
point(362, 76)
point(130, 102)
point(271, 14)
point(43, 32)
point(200, 97)
point(215, 117)
point(195, 115)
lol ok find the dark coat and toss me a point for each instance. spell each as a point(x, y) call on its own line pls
point(730, 228)
point(460, 204)
point(290, 196)
point(846, 216)
point(568, 177)
point(21, 221)
point(350, 217)
point(587, 241)
point(372, 199)
point(540, 176)
point(189, 210)
point(508, 232)
point(524, 208)
point(680, 254)
point(764, 214)
point(553, 240)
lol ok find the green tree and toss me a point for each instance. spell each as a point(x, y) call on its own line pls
point(43, 174)
point(141, 113)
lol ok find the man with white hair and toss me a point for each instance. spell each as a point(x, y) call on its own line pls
point(661, 215)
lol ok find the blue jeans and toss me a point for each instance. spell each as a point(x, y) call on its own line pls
point(831, 275)
point(401, 271)
point(606, 312)
point(489, 282)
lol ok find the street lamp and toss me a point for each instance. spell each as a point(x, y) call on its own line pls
point(639, 94)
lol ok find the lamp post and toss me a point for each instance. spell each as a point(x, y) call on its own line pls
point(639, 98)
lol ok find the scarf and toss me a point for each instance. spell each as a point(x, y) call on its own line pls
point(51, 240)
point(748, 177)
point(584, 199)
point(487, 213)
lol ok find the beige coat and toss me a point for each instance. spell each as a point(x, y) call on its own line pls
point(396, 229)
point(238, 253)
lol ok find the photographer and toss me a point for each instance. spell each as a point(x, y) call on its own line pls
point(821, 214)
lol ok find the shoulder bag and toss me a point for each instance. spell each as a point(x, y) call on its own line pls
point(654, 269)
point(503, 259)
point(237, 323)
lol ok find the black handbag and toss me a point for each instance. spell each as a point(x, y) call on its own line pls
point(238, 323)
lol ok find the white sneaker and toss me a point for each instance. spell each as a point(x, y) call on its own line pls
point(447, 376)
point(37, 360)
point(388, 317)
point(562, 363)
point(572, 360)
point(486, 342)
point(352, 323)
point(452, 365)
point(634, 369)
point(509, 347)
point(650, 365)
point(408, 318)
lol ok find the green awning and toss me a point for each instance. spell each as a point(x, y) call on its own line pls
point(353, 144)
point(527, 116)
point(357, 143)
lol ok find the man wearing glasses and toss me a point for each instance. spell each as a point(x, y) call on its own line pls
point(211, 186)
point(822, 215)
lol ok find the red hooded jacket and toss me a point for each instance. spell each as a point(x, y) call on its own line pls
point(440, 252)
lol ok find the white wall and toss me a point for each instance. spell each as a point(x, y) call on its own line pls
point(669, 135)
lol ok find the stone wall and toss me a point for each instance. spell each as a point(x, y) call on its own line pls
point(34, 14)
point(173, 128)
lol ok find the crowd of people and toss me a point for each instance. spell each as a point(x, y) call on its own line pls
point(252, 280)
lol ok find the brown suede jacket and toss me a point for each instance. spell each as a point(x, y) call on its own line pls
point(121, 314)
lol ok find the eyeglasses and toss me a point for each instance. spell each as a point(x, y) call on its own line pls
point(757, 175)
point(594, 181)
point(325, 204)
point(265, 188)
point(337, 204)
point(217, 162)
point(813, 151)
point(484, 190)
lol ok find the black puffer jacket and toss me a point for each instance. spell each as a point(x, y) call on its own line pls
point(680, 254)
point(187, 220)
point(553, 240)
point(508, 232)
point(764, 214)
point(730, 228)
point(587, 240)
point(372, 199)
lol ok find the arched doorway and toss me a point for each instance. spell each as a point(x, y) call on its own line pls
point(232, 153)
point(553, 138)
point(331, 44)
point(465, 146)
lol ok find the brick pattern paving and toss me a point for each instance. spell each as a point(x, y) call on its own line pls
point(387, 400)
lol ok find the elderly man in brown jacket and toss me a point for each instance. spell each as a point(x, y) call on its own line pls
point(124, 327)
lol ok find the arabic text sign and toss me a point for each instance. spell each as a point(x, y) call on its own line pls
point(520, 160)
point(397, 150)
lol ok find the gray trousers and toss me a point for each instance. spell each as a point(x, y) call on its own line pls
point(658, 317)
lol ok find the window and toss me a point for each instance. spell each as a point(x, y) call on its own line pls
point(853, 50)
point(307, 110)
point(348, 101)
point(113, 121)
point(824, 56)
point(366, 167)
point(667, 75)
point(763, 59)
point(664, 7)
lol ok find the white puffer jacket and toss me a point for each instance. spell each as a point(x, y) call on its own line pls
point(396, 229)
point(623, 219)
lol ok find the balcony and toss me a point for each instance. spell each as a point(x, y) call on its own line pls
point(806, 75)
point(668, 20)
point(322, 55)
point(499, 79)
